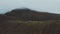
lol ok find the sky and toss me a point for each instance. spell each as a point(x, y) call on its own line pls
point(52, 6)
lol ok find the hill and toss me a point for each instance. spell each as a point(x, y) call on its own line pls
point(31, 15)
point(26, 21)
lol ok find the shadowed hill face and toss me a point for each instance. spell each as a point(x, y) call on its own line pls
point(27, 14)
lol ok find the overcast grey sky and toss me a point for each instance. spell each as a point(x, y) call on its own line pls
point(39, 5)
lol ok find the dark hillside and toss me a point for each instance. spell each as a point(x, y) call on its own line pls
point(31, 15)
point(4, 18)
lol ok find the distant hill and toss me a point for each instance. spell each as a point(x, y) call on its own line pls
point(26, 21)
point(27, 14)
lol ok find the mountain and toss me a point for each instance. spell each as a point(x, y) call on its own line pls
point(26, 21)
point(32, 15)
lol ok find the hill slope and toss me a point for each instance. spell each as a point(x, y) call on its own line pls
point(26, 21)
point(31, 15)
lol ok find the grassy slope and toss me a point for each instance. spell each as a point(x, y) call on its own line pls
point(30, 27)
